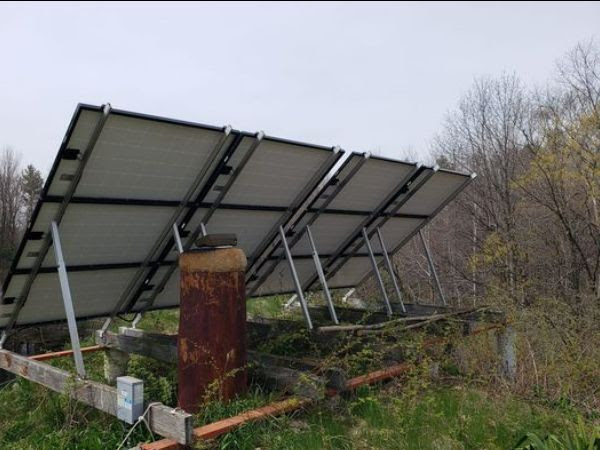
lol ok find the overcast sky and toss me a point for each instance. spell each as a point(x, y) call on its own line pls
point(377, 77)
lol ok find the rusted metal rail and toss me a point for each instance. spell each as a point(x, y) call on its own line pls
point(64, 353)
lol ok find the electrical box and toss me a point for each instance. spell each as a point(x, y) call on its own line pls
point(130, 399)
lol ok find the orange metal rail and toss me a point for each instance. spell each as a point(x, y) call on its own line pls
point(62, 354)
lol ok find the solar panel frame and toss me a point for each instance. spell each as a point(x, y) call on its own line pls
point(258, 263)
point(305, 205)
point(56, 197)
point(354, 241)
point(147, 271)
point(322, 211)
point(468, 178)
point(295, 208)
point(341, 251)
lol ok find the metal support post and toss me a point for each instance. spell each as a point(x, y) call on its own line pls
point(290, 301)
point(432, 268)
point(297, 284)
point(347, 295)
point(68, 302)
point(386, 300)
point(177, 239)
point(3, 339)
point(136, 320)
point(317, 260)
point(390, 269)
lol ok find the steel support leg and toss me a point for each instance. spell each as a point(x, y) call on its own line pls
point(177, 238)
point(67, 300)
point(390, 269)
point(347, 295)
point(432, 268)
point(317, 260)
point(291, 301)
point(386, 300)
point(297, 284)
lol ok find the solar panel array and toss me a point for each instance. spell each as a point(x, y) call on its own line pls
point(121, 180)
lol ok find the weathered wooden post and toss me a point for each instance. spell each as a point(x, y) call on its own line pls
point(507, 351)
point(212, 326)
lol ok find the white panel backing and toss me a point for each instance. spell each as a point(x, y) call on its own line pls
point(369, 186)
point(328, 232)
point(138, 158)
point(94, 293)
point(439, 187)
point(250, 226)
point(351, 273)
point(276, 173)
point(280, 280)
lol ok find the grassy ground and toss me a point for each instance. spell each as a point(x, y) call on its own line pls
point(454, 412)
point(454, 416)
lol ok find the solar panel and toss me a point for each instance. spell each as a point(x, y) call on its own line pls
point(122, 180)
point(118, 183)
point(403, 221)
point(408, 207)
point(364, 188)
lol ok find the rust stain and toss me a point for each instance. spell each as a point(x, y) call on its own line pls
point(212, 337)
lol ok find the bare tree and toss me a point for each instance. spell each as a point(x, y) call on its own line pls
point(11, 196)
point(484, 135)
point(563, 175)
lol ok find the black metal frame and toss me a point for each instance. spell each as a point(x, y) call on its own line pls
point(398, 190)
point(468, 180)
point(300, 208)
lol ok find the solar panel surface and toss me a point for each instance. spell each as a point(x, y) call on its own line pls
point(121, 179)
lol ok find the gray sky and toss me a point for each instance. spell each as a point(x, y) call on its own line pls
point(376, 77)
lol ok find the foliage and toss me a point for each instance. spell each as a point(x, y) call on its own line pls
point(578, 437)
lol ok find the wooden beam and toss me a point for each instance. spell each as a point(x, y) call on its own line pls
point(335, 377)
point(165, 421)
point(216, 429)
point(282, 373)
point(161, 347)
point(289, 381)
point(62, 354)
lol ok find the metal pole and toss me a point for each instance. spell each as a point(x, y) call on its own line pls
point(432, 268)
point(68, 302)
point(388, 307)
point(390, 269)
point(347, 295)
point(177, 238)
point(290, 301)
point(136, 320)
point(297, 284)
point(319, 268)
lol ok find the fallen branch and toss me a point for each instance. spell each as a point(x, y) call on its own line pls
point(391, 323)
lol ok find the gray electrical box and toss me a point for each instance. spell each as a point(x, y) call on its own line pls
point(130, 399)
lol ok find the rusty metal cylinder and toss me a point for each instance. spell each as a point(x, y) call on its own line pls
point(212, 327)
